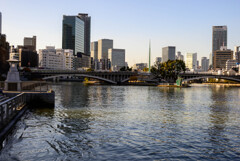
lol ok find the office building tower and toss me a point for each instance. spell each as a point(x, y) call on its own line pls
point(76, 33)
point(220, 58)
point(191, 61)
point(219, 37)
point(168, 53)
point(87, 32)
point(73, 34)
point(204, 63)
point(236, 54)
point(0, 23)
point(94, 54)
point(30, 42)
point(116, 58)
point(51, 58)
point(179, 56)
point(103, 46)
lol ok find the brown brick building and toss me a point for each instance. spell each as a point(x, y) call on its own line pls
point(220, 57)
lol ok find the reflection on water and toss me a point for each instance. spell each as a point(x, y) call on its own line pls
point(130, 123)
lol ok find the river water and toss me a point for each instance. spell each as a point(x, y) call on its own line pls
point(130, 123)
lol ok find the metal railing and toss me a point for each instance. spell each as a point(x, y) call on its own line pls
point(10, 107)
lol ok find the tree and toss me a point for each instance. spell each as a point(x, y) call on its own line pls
point(125, 69)
point(168, 70)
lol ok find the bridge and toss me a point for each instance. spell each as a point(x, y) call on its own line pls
point(190, 76)
point(108, 77)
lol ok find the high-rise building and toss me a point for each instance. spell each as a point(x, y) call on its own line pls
point(220, 58)
point(30, 42)
point(219, 37)
point(179, 56)
point(117, 58)
point(191, 61)
point(204, 63)
point(0, 23)
point(236, 54)
point(4, 55)
point(103, 46)
point(73, 34)
point(168, 53)
point(94, 54)
point(76, 33)
point(87, 32)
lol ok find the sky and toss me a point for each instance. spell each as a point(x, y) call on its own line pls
point(186, 24)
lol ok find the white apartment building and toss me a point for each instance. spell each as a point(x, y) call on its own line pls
point(51, 58)
point(230, 64)
point(191, 61)
point(117, 58)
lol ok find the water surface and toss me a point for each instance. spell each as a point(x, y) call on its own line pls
point(130, 123)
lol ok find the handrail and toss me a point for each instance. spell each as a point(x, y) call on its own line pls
point(10, 107)
point(10, 99)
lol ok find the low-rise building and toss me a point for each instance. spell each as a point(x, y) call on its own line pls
point(139, 66)
point(230, 64)
point(51, 58)
point(220, 58)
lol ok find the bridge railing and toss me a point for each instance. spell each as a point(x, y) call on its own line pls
point(200, 73)
point(10, 107)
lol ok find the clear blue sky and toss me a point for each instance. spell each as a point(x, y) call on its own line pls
point(186, 24)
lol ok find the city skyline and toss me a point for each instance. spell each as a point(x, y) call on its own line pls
point(187, 27)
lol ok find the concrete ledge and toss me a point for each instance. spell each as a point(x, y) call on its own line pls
point(37, 99)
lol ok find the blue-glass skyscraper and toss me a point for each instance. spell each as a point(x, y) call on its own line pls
point(73, 35)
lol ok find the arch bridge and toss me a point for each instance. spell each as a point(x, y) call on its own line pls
point(197, 76)
point(108, 77)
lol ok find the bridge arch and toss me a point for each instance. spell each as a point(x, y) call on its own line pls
point(81, 75)
point(215, 76)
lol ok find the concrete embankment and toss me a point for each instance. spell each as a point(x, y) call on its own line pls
point(38, 99)
point(13, 108)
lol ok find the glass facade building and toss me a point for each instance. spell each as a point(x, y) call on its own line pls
point(219, 37)
point(73, 34)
